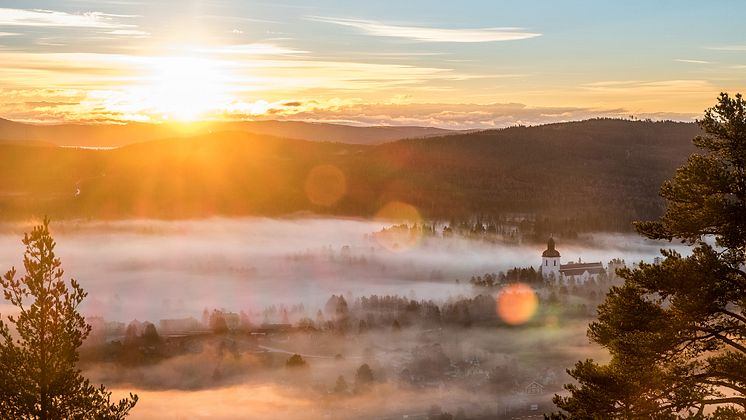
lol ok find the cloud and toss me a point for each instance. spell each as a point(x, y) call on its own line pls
point(419, 33)
point(655, 87)
point(51, 18)
point(252, 49)
point(122, 84)
point(443, 115)
point(98, 105)
point(728, 48)
point(683, 60)
point(255, 80)
point(129, 32)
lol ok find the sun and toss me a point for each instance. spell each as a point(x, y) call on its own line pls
point(187, 88)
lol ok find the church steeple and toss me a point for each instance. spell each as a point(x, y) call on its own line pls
point(550, 261)
point(550, 252)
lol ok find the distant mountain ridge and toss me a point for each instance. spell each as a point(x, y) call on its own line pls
point(116, 135)
point(587, 175)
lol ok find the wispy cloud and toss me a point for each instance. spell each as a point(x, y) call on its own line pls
point(419, 33)
point(636, 87)
point(683, 60)
point(38, 17)
point(728, 48)
point(262, 49)
point(129, 32)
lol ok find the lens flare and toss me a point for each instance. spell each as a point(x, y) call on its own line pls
point(517, 303)
point(406, 230)
point(325, 185)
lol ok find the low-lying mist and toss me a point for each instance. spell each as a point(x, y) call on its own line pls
point(466, 364)
point(149, 270)
point(493, 367)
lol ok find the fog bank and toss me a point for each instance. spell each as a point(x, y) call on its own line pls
point(147, 269)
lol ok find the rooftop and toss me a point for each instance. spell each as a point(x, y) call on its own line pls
point(576, 269)
point(550, 251)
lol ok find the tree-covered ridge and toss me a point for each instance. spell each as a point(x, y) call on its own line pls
point(589, 175)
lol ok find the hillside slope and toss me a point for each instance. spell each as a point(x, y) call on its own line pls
point(596, 174)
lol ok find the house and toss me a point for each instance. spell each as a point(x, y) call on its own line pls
point(534, 388)
point(180, 325)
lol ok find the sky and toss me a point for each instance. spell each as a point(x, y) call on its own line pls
point(465, 64)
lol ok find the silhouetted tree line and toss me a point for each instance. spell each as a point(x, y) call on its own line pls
point(392, 312)
point(514, 275)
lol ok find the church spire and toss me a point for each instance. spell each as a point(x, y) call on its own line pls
point(551, 250)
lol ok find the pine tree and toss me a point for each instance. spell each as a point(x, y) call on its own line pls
point(363, 377)
point(677, 331)
point(39, 378)
point(295, 361)
point(341, 387)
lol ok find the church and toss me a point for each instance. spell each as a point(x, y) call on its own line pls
point(568, 274)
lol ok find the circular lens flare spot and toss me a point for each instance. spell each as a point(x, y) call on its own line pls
point(517, 303)
point(325, 185)
point(406, 231)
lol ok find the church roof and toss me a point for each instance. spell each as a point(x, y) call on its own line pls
point(576, 269)
point(550, 251)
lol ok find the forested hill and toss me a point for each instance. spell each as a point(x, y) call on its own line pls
point(596, 174)
point(601, 173)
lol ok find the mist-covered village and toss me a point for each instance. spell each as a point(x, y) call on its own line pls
point(399, 325)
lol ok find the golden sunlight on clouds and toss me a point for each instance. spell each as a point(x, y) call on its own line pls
point(125, 61)
point(186, 88)
point(253, 80)
point(257, 80)
point(187, 83)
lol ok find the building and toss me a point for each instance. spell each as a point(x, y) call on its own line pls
point(614, 265)
point(534, 388)
point(572, 273)
point(550, 262)
point(181, 325)
point(581, 273)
